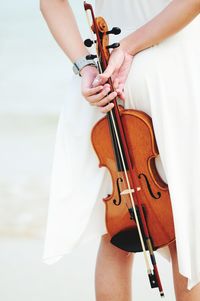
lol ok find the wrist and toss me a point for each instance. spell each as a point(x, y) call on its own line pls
point(129, 45)
point(82, 62)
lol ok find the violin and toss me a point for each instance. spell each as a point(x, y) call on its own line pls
point(138, 211)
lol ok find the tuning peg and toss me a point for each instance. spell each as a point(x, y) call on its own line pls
point(115, 45)
point(114, 30)
point(91, 57)
point(88, 43)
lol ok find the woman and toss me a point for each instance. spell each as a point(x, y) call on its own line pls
point(157, 66)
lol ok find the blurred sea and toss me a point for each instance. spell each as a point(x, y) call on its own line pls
point(33, 85)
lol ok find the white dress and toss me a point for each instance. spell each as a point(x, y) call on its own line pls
point(164, 81)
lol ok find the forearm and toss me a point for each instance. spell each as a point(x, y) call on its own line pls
point(172, 19)
point(62, 24)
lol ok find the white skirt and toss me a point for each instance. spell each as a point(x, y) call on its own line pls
point(164, 82)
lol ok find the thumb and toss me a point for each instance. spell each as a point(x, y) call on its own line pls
point(109, 70)
point(120, 91)
point(103, 77)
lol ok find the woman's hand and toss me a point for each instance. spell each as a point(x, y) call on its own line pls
point(118, 68)
point(97, 96)
point(95, 88)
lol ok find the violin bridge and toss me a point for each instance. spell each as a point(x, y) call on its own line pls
point(129, 191)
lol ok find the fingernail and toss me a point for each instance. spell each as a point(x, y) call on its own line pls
point(96, 81)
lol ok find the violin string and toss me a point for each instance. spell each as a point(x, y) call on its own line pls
point(123, 162)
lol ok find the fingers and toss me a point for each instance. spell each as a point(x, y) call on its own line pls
point(87, 92)
point(98, 96)
point(116, 60)
point(105, 100)
point(101, 79)
point(116, 84)
point(101, 98)
point(107, 108)
point(109, 70)
point(95, 94)
point(96, 90)
point(121, 95)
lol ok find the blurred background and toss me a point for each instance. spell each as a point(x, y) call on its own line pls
point(33, 87)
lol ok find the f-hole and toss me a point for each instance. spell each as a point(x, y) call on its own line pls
point(149, 187)
point(115, 202)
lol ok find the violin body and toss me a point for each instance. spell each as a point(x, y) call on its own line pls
point(154, 191)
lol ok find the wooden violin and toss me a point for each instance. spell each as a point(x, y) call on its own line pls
point(138, 211)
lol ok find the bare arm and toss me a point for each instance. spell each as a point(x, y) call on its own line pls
point(62, 24)
point(172, 19)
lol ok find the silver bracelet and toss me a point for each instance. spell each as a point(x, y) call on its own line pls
point(80, 63)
